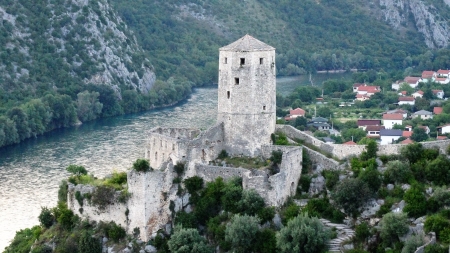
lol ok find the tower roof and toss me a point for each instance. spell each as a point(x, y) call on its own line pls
point(247, 44)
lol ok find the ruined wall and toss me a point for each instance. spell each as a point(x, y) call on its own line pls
point(114, 212)
point(321, 162)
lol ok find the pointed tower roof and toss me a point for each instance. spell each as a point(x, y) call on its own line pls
point(247, 44)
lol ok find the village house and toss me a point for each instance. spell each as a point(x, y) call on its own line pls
point(293, 114)
point(349, 143)
point(413, 81)
point(406, 101)
point(374, 131)
point(389, 136)
point(438, 93)
point(407, 141)
point(443, 73)
point(442, 80)
point(403, 93)
point(364, 91)
point(443, 129)
point(428, 76)
point(404, 113)
point(441, 138)
point(319, 123)
point(363, 123)
point(407, 133)
point(422, 114)
point(389, 120)
point(426, 128)
point(360, 97)
point(417, 94)
point(356, 85)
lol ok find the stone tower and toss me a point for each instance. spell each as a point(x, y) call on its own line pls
point(247, 95)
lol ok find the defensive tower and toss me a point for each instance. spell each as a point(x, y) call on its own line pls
point(247, 95)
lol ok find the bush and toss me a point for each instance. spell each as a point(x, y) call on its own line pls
point(331, 178)
point(416, 202)
point(141, 165)
point(66, 218)
point(393, 225)
point(372, 177)
point(438, 171)
point(103, 196)
point(322, 207)
point(397, 172)
point(435, 248)
point(89, 244)
point(222, 155)
point(266, 241)
point(241, 232)
point(186, 220)
point(436, 223)
point(115, 232)
point(304, 183)
point(442, 196)
point(46, 217)
point(266, 214)
point(76, 170)
point(303, 234)
point(362, 232)
point(63, 191)
point(351, 194)
point(179, 168)
point(188, 240)
point(276, 157)
point(412, 243)
point(193, 184)
point(290, 212)
point(251, 203)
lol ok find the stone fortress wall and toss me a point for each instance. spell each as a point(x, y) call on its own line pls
point(345, 151)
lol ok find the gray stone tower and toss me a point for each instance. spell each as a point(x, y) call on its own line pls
point(247, 95)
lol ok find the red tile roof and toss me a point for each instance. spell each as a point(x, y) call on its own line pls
point(374, 128)
point(350, 143)
point(412, 79)
point(403, 92)
point(371, 89)
point(427, 74)
point(437, 110)
point(442, 79)
point(420, 92)
point(443, 72)
point(407, 141)
point(406, 99)
point(407, 133)
point(368, 122)
point(297, 111)
point(436, 91)
point(393, 116)
point(442, 137)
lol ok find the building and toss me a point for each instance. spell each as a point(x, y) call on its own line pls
point(319, 123)
point(401, 111)
point(389, 136)
point(247, 70)
point(413, 81)
point(442, 80)
point(389, 120)
point(422, 114)
point(374, 131)
point(443, 73)
point(367, 90)
point(438, 93)
point(356, 85)
point(417, 94)
point(443, 129)
point(293, 114)
point(428, 76)
point(406, 101)
point(363, 123)
point(407, 141)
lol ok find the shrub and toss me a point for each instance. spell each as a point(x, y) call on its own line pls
point(241, 232)
point(66, 218)
point(141, 165)
point(222, 155)
point(435, 248)
point(266, 241)
point(63, 191)
point(438, 171)
point(290, 212)
point(188, 240)
point(179, 168)
point(103, 196)
point(393, 225)
point(115, 232)
point(412, 243)
point(416, 202)
point(266, 214)
point(397, 172)
point(76, 170)
point(436, 223)
point(46, 217)
point(351, 194)
point(322, 207)
point(186, 220)
point(303, 234)
point(331, 178)
point(193, 184)
point(276, 157)
point(362, 232)
point(442, 196)
point(372, 177)
point(251, 203)
point(79, 198)
point(117, 180)
point(89, 244)
point(304, 183)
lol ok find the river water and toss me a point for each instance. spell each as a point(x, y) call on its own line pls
point(31, 171)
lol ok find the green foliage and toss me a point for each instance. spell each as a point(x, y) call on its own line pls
point(290, 212)
point(331, 178)
point(88, 106)
point(416, 202)
point(193, 184)
point(438, 170)
point(281, 139)
point(397, 172)
point(436, 223)
point(179, 168)
point(355, 133)
point(392, 226)
point(266, 214)
point(186, 220)
point(23, 240)
point(114, 231)
point(117, 180)
point(303, 234)
point(186, 240)
point(46, 217)
point(412, 152)
point(321, 207)
point(76, 170)
point(142, 165)
point(413, 242)
point(251, 203)
point(89, 244)
point(276, 157)
point(419, 135)
point(371, 150)
point(103, 196)
point(362, 232)
point(222, 155)
point(242, 232)
point(442, 196)
point(304, 183)
point(435, 248)
point(350, 194)
point(372, 177)
point(66, 218)
point(266, 241)
point(63, 191)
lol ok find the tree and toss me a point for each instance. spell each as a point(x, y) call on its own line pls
point(88, 106)
point(20, 118)
point(76, 169)
point(141, 165)
point(392, 226)
point(412, 152)
point(371, 150)
point(355, 133)
point(303, 234)
point(416, 202)
point(438, 171)
point(89, 244)
point(422, 104)
point(242, 232)
point(397, 172)
point(419, 135)
point(413, 242)
point(350, 194)
point(188, 240)
point(251, 203)
point(46, 217)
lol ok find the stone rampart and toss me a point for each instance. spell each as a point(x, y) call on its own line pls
point(321, 162)
point(209, 173)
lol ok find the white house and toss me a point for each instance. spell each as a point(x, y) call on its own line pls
point(401, 111)
point(442, 80)
point(438, 93)
point(412, 81)
point(406, 101)
point(428, 76)
point(422, 114)
point(443, 129)
point(389, 120)
point(417, 94)
point(389, 136)
point(443, 73)
point(297, 112)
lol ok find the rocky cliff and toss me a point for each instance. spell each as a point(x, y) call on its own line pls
point(426, 18)
point(52, 44)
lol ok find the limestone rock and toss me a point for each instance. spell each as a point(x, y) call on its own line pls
point(150, 249)
point(390, 187)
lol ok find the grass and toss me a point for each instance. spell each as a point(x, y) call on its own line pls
point(247, 162)
point(118, 180)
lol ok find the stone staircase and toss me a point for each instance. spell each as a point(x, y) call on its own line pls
point(344, 233)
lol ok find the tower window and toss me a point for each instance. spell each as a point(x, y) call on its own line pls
point(261, 60)
point(264, 107)
point(242, 61)
point(228, 94)
point(225, 60)
point(236, 80)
